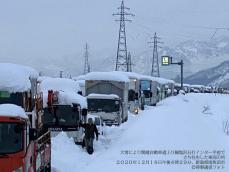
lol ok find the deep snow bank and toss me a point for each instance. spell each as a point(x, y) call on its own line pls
point(193, 122)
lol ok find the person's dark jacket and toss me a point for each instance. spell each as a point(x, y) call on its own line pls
point(90, 130)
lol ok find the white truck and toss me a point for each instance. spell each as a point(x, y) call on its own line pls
point(107, 96)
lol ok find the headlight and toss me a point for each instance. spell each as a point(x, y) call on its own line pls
point(136, 110)
point(18, 170)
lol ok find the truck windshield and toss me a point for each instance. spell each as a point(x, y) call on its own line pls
point(61, 116)
point(103, 105)
point(12, 98)
point(145, 85)
point(11, 137)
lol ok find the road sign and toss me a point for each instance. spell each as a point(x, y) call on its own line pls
point(165, 60)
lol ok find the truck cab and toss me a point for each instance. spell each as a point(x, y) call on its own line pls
point(108, 107)
point(20, 148)
point(110, 86)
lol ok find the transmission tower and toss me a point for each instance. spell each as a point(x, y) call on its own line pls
point(129, 69)
point(155, 64)
point(86, 62)
point(122, 58)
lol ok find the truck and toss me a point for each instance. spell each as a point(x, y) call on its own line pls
point(107, 96)
point(25, 145)
point(140, 93)
point(161, 88)
point(63, 107)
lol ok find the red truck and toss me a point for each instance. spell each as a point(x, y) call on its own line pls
point(22, 149)
point(25, 145)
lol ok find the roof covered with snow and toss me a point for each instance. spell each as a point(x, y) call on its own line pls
point(162, 80)
point(107, 76)
point(102, 96)
point(130, 75)
point(11, 110)
point(16, 78)
point(197, 86)
point(58, 84)
point(69, 98)
point(124, 77)
point(80, 77)
point(185, 85)
point(67, 89)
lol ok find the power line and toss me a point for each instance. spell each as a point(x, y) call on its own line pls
point(122, 57)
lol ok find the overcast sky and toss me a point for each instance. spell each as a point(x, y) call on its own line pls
point(39, 28)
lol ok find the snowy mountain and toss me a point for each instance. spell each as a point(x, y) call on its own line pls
point(200, 55)
point(197, 55)
point(218, 76)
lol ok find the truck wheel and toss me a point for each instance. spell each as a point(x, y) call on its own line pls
point(126, 119)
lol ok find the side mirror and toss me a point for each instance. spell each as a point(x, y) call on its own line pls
point(75, 107)
point(151, 94)
point(80, 93)
point(84, 112)
point(33, 134)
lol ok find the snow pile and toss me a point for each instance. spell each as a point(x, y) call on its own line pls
point(179, 85)
point(177, 123)
point(81, 83)
point(80, 77)
point(107, 76)
point(133, 75)
point(162, 80)
point(68, 97)
point(197, 86)
point(130, 75)
point(12, 110)
point(16, 78)
point(67, 89)
point(58, 84)
point(103, 96)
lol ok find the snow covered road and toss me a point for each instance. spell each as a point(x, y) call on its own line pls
point(192, 125)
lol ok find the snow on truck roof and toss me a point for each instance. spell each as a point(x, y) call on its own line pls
point(124, 77)
point(185, 85)
point(16, 78)
point(102, 96)
point(11, 110)
point(197, 86)
point(80, 77)
point(107, 76)
point(131, 75)
point(67, 89)
point(64, 84)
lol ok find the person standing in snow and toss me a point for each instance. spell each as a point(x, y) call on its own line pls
point(90, 132)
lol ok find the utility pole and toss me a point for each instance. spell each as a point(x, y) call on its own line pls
point(168, 60)
point(122, 58)
point(129, 69)
point(86, 62)
point(155, 71)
